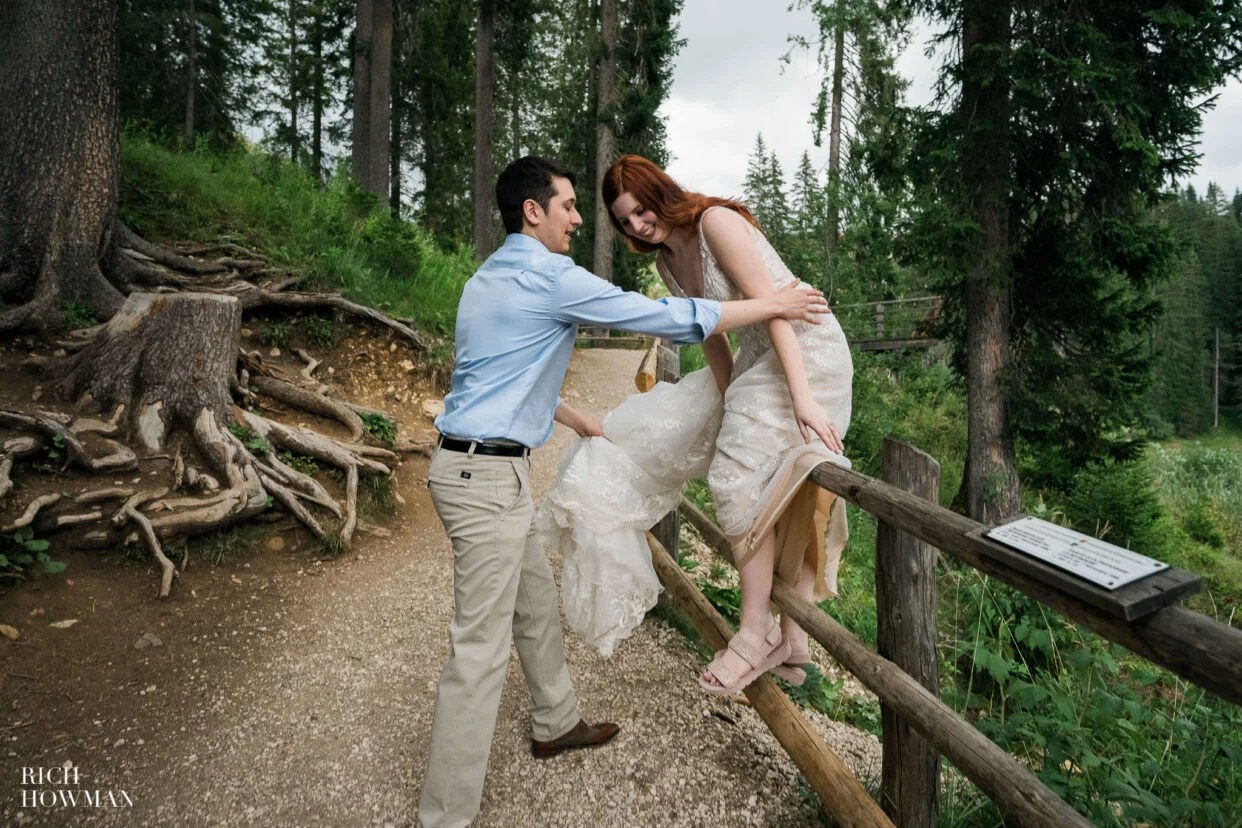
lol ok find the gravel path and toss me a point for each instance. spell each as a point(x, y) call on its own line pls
point(311, 705)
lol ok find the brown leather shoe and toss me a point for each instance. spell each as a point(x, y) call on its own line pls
point(583, 735)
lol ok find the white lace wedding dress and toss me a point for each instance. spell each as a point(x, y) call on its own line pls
point(609, 491)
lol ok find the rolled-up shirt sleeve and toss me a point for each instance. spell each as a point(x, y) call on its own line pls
point(585, 299)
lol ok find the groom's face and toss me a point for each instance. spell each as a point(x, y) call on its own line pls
point(555, 225)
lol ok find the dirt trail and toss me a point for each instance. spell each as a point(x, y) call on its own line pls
point(289, 692)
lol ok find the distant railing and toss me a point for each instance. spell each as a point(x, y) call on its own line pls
point(892, 324)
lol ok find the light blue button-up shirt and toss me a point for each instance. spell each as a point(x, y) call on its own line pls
point(516, 323)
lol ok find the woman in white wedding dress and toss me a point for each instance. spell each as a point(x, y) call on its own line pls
point(756, 423)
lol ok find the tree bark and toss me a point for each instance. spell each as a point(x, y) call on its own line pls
point(605, 134)
point(191, 76)
point(380, 92)
point(394, 152)
point(59, 159)
point(834, 139)
point(483, 86)
point(317, 93)
point(165, 357)
point(359, 161)
point(294, 80)
point(992, 492)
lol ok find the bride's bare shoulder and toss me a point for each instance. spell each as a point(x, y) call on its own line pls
point(720, 222)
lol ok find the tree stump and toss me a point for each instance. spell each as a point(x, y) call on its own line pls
point(165, 357)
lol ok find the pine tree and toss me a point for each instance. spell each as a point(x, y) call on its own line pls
point(1036, 178)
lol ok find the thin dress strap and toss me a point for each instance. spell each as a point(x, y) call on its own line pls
point(669, 281)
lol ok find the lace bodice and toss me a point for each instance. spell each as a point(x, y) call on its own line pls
point(753, 339)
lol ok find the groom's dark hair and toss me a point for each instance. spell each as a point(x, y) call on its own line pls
point(529, 177)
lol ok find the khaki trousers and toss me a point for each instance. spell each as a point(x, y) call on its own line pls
point(502, 589)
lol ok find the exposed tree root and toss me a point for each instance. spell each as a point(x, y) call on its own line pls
point(290, 394)
point(121, 458)
point(32, 511)
point(244, 478)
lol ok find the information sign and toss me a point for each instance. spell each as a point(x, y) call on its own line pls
point(1089, 558)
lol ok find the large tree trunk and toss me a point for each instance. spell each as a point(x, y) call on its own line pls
point(294, 81)
point(165, 357)
point(59, 159)
point(483, 83)
point(191, 76)
point(992, 492)
point(381, 97)
point(605, 133)
point(359, 160)
point(317, 93)
point(394, 152)
point(834, 139)
point(372, 79)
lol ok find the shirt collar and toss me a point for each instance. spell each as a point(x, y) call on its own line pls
point(521, 241)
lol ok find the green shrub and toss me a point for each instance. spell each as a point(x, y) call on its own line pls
point(1117, 501)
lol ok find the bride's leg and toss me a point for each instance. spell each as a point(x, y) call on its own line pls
point(795, 635)
point(756, 580)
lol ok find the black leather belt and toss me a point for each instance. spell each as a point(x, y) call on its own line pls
point(488, 449)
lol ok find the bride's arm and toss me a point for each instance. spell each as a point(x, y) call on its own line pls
point(719, 359)
point(729, 238)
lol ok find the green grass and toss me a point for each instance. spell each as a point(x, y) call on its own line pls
point(335, 234)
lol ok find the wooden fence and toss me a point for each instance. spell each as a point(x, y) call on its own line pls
point(917, 726)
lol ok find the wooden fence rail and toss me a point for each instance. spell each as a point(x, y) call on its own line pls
point(1138, 617)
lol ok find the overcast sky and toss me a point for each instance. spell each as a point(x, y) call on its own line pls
point(729, 84)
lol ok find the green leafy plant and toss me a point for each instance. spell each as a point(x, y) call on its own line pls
point(299, 462)
point(320, 331)
point(22, 550)
point(381, 428)
point(276, 333)
point(250, 440)
point(79, 315)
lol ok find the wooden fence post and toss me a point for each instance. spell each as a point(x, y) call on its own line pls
point(879, 320)
point(905, 586)
point(668, 369)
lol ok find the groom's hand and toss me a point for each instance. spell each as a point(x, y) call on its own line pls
point(589, 427)
point(800, 301)
point(583, 424)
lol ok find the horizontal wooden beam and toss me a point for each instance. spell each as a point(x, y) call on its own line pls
point(894, 344)
point(1189, 643)
point(1018, 794)
point(629, 343)
point(837, 788)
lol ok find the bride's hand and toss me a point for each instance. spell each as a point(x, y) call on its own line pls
point(812, 419)
point(804, 303)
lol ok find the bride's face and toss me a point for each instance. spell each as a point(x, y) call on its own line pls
point(638, 221)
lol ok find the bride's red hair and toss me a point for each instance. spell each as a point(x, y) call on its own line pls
point(656, 191)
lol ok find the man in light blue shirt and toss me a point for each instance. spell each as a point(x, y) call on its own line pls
point(516, 324)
